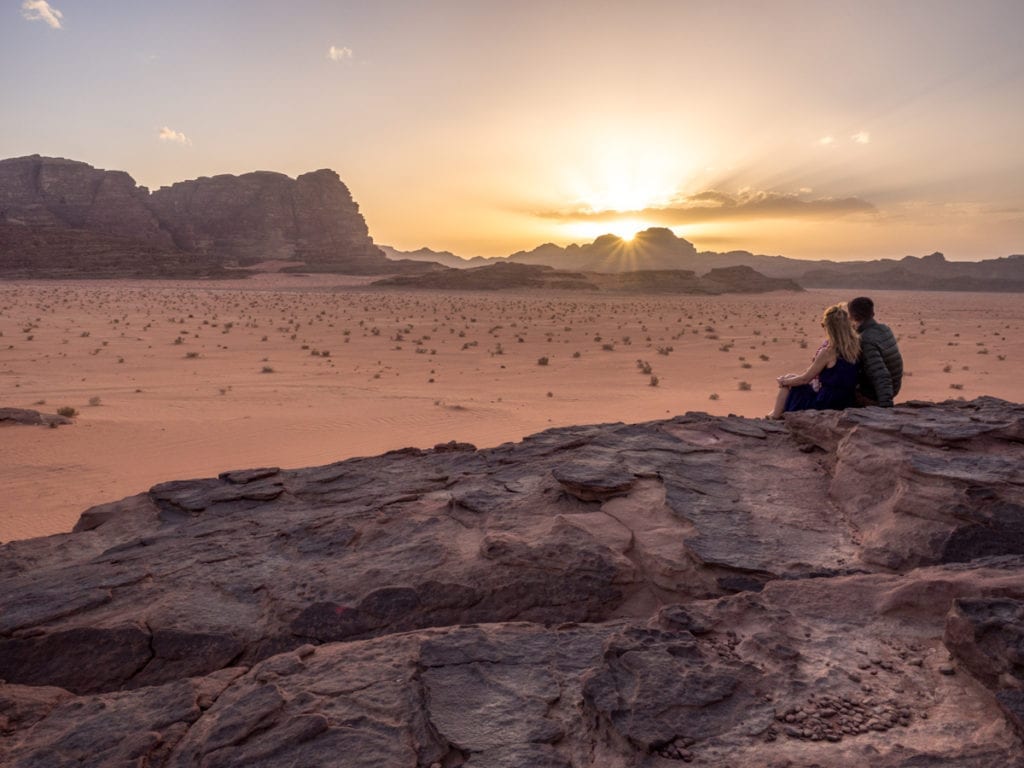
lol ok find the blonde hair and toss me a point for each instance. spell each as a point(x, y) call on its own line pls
point(841, 336)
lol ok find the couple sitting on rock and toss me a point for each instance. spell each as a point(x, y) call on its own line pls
point(858, 364)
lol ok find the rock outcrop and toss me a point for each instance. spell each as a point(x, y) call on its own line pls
point(27, 416)
point(62, 218)
point(843, 589)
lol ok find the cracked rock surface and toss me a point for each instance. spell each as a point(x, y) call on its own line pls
point(841, 589)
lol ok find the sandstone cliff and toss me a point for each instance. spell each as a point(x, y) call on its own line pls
point(65, 218)
point(259, 216)
point(844, 589)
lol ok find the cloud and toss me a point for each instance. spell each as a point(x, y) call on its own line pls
point(40, 10)
point(169, 134)
point(826, 141)
point(712, 205)
point(861, 137)
point(339, 54)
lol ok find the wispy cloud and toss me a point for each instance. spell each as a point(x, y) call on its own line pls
point(177, 137)
point(861, 137)
point(339, 54)
point(826, 141)
point(40, 10)
point(712, 205)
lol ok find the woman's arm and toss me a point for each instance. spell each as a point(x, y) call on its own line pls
point(821, 360)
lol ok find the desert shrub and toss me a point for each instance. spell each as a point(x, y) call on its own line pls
point(956, 386)
point(191, 355)
point(654, 381)
point(744, 386)
point(67, 412)
point(542, 361)
point(575, 354)
point(266, 369)
point(94, 400)
point(713, 396)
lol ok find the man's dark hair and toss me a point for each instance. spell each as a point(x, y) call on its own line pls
point(861, 308)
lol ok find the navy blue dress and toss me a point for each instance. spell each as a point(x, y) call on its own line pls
point(838, 385)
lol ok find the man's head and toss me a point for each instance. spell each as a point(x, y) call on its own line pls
point(861, 309)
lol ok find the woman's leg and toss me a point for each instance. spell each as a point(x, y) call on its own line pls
point(780, 403)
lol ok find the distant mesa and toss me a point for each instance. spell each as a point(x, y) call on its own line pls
point(658, 248)
point(63, 218)
point(507, 275)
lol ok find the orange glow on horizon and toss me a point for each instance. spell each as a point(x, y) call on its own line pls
point(588, 231)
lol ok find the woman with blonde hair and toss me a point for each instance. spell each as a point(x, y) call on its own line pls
point(831, 380)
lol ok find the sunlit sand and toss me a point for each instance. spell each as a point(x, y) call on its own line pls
point(193, 379)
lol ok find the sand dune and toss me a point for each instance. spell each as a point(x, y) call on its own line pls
point(353, 371)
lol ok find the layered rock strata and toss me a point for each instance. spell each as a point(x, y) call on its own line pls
point(843, 589)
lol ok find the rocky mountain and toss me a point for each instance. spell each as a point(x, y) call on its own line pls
point(508, 275)
point(444, 258)
point(654, 248)
point(659, 248)
point(931, 272)
point(65, 218)
point(839, 589)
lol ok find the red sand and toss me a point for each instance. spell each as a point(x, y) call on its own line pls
point(404, 369)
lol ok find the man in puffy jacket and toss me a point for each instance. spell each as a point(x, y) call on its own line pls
point(881, 364)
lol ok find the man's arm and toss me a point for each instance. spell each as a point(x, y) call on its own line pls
point(878, 373)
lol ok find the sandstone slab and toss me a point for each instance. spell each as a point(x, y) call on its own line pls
point(843, 589)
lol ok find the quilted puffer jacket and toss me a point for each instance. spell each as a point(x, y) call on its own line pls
point(881, 364)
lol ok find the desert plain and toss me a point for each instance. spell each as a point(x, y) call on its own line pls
point(189, 379)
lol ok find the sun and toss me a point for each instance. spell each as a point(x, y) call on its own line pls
point(625, 229)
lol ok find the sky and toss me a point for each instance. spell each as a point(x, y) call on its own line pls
point(818, 129)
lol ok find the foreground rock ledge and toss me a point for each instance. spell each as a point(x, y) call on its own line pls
point(845, 589)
